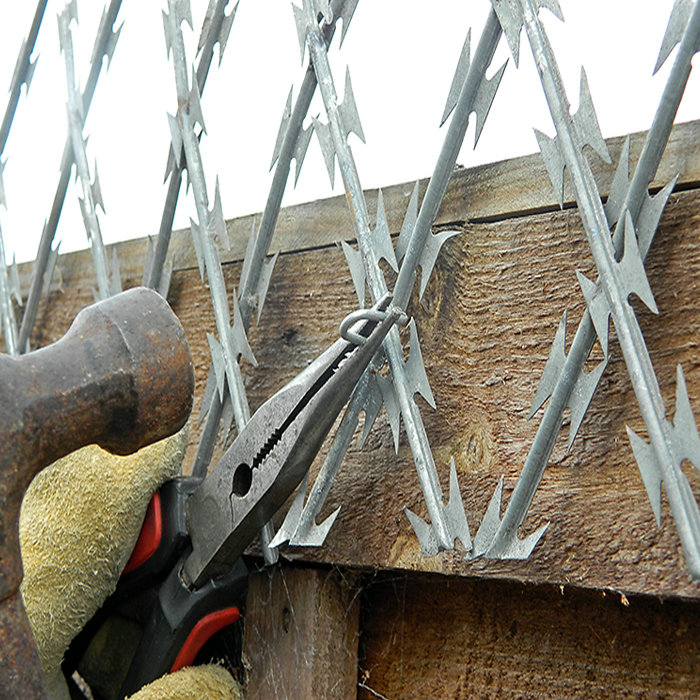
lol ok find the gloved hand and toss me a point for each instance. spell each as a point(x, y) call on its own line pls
point(79, 522)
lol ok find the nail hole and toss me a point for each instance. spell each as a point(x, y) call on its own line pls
point(286, 618)
point(242, 479)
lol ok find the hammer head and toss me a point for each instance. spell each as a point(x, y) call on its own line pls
point(120, 377)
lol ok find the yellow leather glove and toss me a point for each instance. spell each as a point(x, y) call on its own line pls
point(79, 522)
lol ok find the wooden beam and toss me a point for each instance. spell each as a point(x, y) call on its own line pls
point(301, 633)
point(433, 637)
point(487, 192)
point(486, 324)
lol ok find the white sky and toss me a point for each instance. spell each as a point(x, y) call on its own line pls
point(401, 54)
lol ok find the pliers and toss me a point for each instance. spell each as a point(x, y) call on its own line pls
point(189, 555)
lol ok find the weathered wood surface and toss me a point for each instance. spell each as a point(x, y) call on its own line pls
point(301, 635)
point(434, 637)
point(486, 325)
point(488, 192)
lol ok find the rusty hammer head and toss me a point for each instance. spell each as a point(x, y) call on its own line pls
point(121, 377)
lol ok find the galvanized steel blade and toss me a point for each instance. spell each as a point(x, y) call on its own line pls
point(292, 142)
point(467, 85)
point(216, 29)
point(615, 283)
point(90, 189)
point(23, 73)
point(416, 251)
point(104, 45)
point(341, 120)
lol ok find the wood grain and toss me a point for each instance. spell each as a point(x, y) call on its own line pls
point(486, 324)
point(435, 637)
point(301, 635)
point(522, 186)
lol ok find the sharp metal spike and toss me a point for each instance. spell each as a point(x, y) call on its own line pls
point(195, 103)
point(216, 225)
point(225, 31)
point(209, 389)
point(428, 258)
point(553, 162)
point(348, 111)
point(586, 122)
point(112, 44)
point(196, 234)
point(15, 290)
point(346, 14)
point(409, 223)
point(458, 79)
point(183, 11)
point(455, 518)
point(484, 99)
point(597, 307)
point(677, 22)
point(316, 535)
point(29, 74)
point(19, 73)
point(300, 22)
point(512, 547)
point(372, 406)
point(552, 368)
point(650, 214)
point(415, 368)
point(97, 191)
point(391, 404)
point(284, 123)
point(175, 137)
point(218, 363)
point(51, 268)
point(302, 145)
point(685, 430)
point(166, 276)
point(424, 534)
point(632, 268)
point(293, 516)
point(264, 282)
point(454, 511)
point(510, 17)
point(357, 270)
point(581, 397)
point(620, 185)
point(649, 469)
point(325, 140)
point(167, 28)
point(380, 237)
point(489, 524)
point(238, 337)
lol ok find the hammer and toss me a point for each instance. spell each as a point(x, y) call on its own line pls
point(120, 377)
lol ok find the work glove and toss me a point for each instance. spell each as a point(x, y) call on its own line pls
point(79, 523)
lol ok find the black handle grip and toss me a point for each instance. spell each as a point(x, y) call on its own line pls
point(182, 620)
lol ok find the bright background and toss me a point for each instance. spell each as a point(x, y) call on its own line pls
point(401, 53)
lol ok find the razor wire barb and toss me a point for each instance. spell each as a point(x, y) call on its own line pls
point(416, 247)
point(22, 75)
point(621, 272)
point(292, 143)
point(104, 45)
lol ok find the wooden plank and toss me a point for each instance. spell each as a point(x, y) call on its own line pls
point(486, 325)
point(487, 192)
point(300, 635)
point(431, 637)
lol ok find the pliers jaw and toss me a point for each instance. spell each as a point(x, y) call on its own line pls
point(270, 456)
